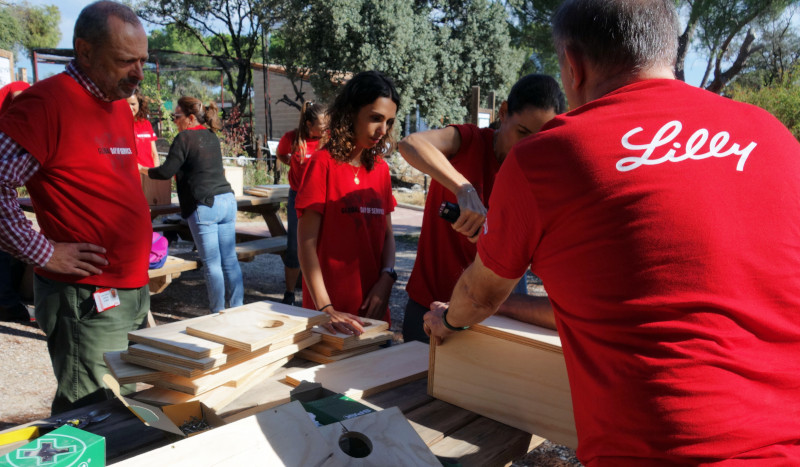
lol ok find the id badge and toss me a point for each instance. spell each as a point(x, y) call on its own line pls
point(106, 299)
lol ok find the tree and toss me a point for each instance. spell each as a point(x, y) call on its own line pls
point(723, 32)
point(229, 30)
point(176, 69)
point(781, 99)
point(434, 51)
point(24, 27)
point(531, 30)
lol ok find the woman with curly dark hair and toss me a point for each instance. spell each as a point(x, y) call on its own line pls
point(345, 240)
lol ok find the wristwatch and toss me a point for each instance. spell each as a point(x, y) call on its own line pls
point(391, 273)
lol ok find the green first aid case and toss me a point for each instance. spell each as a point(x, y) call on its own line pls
point(64, 447)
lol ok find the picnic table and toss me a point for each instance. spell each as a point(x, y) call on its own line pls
point(450, 432)
point(249, 244)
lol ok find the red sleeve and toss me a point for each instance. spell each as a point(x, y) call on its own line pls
point(468, 134)
point(285, 144)
point(512, 228)
point(31, 123)
point(313, 192)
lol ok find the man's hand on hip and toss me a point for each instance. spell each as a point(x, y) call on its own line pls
point(77, 259)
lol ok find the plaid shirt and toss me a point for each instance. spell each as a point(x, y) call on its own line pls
point(17, 166)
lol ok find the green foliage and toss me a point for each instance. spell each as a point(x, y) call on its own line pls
point(434, 51)
point(531, 31)
point(782, 101)
point(235, 134)
point(25, 27)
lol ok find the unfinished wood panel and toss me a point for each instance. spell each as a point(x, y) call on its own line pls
point(154, 353)
point(344, 341)
point(126, 373)
point(406, 397)
point(370, 373)
point(310, 317)
point(521, 385)
point(438, 419)
point(326, 348)
point(159, 365)
point(280, 436)
point(393, 440)
point(490, 443)
point(232, 373)
point(314, 356)
point(517, 331)
point(215, 398)
point(173, 337)
point(263, 395)
point(247, 329)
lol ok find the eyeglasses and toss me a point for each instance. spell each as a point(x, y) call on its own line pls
point(177, 116)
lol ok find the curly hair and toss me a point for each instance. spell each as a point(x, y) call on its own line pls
point(363, 89)
point(143, 104)
point(310, 112)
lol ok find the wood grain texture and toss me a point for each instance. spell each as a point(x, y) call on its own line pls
point(247, 328)
point(394, 442)
point(173, 337)
point(126, 373)
point(166, 367)
point(517, 331)
point(312, 355)
point(154, 353)
point(491, 443)
point(370, 373)
point(438, 419)
point(518, 384)
point(345, 342)
point(379, 338)
point(230, 373)
point(310, 317)
point(279, 436)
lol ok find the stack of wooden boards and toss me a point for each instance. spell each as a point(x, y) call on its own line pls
point(214, 358)
point(267, 190)
point(335, 347)
point(508, 371)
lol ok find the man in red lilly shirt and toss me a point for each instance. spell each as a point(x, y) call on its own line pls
point(69, 139)
point(663, 221)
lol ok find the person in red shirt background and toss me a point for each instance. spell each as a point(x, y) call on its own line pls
point(146, 153)
point(344, 205)
point(294, 149)
point(463, 161)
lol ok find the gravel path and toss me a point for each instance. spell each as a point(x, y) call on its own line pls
point(27, 383)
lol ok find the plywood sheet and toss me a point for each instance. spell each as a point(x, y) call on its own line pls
point(282, 435)
point(232, 373)
point(393, 441)
point(162, 366)
point(173, 337)
point(310, 354)
point(517, 384)
point(370, 373)
point(310, 317)
point(517, 331)
point(126, 373)
point(247, 328)
point(344, 342)
point(379, 338)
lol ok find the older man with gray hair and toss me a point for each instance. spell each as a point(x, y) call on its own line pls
point(69, 140)
point(664, 221)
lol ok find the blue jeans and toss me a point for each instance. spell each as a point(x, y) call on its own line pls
point(214, 232)
point(290, 259)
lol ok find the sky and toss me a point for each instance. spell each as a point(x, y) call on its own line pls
point(70, 9)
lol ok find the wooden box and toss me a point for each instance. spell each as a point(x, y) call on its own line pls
point(508, 371)
point(157, 192)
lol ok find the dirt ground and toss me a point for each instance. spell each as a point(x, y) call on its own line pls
point(27, 383)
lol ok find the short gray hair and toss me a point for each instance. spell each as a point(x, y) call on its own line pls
point(92, 23)
point(619, 36)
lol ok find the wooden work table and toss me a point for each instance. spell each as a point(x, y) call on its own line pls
point(450, 432)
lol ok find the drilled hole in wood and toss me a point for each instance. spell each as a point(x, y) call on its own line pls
point(355, 444)
point(270, 323)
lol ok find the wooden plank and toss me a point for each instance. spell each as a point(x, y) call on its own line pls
point(344, 341)
point(154, 353)
point(282, 435)
point(406, 397)
point(325, 348)
point(215, 398)
point(522, 385)
point(248, 250)
point(126, 373)
point(370, 373)
point(310, 317)
point(490, 443)
point(173, 265)
point(392, 440)
point(166, 367)
point(517, 331)
point(268, 190)
point(247, 328)
point(310, 354)
point(437, 419)
point(264, 395)
point(226, 375)
point(173, 337)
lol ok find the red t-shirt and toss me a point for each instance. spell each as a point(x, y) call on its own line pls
point(144, 136)
point(443, 253)
point(87, 188)
point(675, 279)
point(298, 159)
point(351, 237)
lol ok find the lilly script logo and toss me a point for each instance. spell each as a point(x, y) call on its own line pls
point(665, 137)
